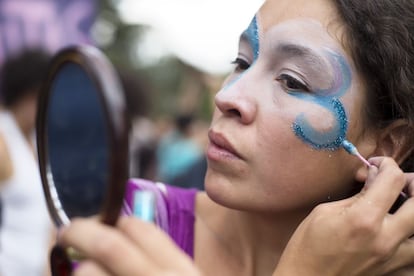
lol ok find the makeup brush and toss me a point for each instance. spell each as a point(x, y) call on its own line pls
point(351, 149)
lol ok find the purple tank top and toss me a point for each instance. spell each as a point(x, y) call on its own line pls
point(175, 208)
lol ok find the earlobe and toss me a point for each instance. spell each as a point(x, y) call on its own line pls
point(361, 174)
point(395, 141)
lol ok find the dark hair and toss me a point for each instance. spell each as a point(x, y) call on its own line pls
point(137, 92)
point(183, 122)
point(380, 34)
point(21, 74)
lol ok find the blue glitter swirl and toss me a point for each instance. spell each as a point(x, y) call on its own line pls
point(332, 139)
point(328, 99)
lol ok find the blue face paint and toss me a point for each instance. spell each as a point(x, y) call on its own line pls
point(330, 140)
point(328, 99)
point(252, 35)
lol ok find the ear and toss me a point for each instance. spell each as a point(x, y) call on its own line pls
point(395, 141)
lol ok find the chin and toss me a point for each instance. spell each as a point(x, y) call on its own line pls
point(228, 192)
point(235, 194)
point(219, 188)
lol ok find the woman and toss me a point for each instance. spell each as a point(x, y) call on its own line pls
point(310, 76)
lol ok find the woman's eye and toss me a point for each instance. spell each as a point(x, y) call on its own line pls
point(292, 84)
point(241, 65)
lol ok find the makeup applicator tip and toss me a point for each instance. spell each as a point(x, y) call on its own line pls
point(351, 149)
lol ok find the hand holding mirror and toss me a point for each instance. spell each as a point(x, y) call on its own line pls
point(82, 137)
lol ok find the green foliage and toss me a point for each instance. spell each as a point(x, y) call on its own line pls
point(163, 80)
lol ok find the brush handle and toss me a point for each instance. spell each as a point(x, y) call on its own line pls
point(365, 161)
point(351, 149)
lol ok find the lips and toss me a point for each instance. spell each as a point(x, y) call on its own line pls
point(220, 147)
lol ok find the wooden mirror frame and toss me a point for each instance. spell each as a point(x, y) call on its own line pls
point(104, 77)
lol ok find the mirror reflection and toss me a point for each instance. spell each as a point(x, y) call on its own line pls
point(77, 137)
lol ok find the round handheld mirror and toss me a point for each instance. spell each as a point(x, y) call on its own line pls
point(82, 137)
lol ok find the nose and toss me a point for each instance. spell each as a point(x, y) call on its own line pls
point(237, 100)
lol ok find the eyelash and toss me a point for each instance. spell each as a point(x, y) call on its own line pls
point(292, 84)
point(240, 65)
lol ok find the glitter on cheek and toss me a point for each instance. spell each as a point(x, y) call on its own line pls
point(330, 140)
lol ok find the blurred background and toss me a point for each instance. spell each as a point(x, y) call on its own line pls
point(182, 47)
point(171, 56)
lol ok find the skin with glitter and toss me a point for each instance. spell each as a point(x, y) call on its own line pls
point(252, 34)
point(326, 98)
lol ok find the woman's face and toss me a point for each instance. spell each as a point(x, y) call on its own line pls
point(281, 116)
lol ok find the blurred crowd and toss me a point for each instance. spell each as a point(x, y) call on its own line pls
point(169, 149)
point(166, 148)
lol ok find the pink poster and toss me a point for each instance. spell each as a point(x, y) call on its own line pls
point(51, 24)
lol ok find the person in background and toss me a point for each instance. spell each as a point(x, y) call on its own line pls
point(25, 233)
point(192, 177)
point(6, 169)
point(143, 139)
point(177, 151)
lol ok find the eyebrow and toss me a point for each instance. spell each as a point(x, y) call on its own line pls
point(291, 50)
point(310, 57)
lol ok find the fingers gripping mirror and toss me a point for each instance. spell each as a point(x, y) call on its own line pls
point(82, 137)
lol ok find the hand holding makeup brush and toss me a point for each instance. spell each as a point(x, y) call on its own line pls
point(358, 235)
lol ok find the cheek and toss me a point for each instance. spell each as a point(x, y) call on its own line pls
point(281, 151)
point(330, 129)
point(356, 121)
point(276, 140)
point(321, 120)
point(287, 167)
point(316, 119)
